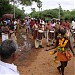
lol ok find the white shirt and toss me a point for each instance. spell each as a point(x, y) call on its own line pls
point(15, 22)
point(8, 69)
point(53, 24)
point(73, 24)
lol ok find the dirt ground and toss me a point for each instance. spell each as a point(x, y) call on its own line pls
point(38, 61)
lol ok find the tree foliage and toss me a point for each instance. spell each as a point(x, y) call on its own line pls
point(69, 14)
point(18, 13)
point(8, 8)
point(5, 8)
point(51, 13)
point(54, 13)
point(25, 2)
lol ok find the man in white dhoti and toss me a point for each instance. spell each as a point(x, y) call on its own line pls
point(5, 31)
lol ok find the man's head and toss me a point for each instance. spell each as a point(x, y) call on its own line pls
point(62, 31)
point(66, 19)
point(61, 20)
point(8, 49)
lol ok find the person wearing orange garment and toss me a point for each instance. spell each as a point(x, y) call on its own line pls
point(62, 48)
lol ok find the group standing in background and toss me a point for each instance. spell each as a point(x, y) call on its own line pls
point(50, 29)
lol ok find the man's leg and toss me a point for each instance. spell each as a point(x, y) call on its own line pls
point(63, 65)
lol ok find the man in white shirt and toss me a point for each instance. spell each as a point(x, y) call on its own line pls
point(73, 24)
point(8, 54)
point(73, 28)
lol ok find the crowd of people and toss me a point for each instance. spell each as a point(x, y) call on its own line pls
point(48, 29)
point(56, 32)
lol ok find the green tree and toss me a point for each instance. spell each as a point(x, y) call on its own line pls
point(69, 14)
point(25, 2)
point(4, 8)
point(51, 13)
point(39, 4)
point(18, 13)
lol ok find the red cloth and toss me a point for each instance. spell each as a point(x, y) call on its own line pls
point(67, 24)
point(32, 23)
point(35, 34)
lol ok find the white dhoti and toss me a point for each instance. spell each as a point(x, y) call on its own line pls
point(38, 40)
point(47, 32)
point(4, 36)
point(36, 43)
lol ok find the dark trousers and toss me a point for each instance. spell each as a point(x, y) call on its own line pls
point(56, 34)
point(62, 66)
